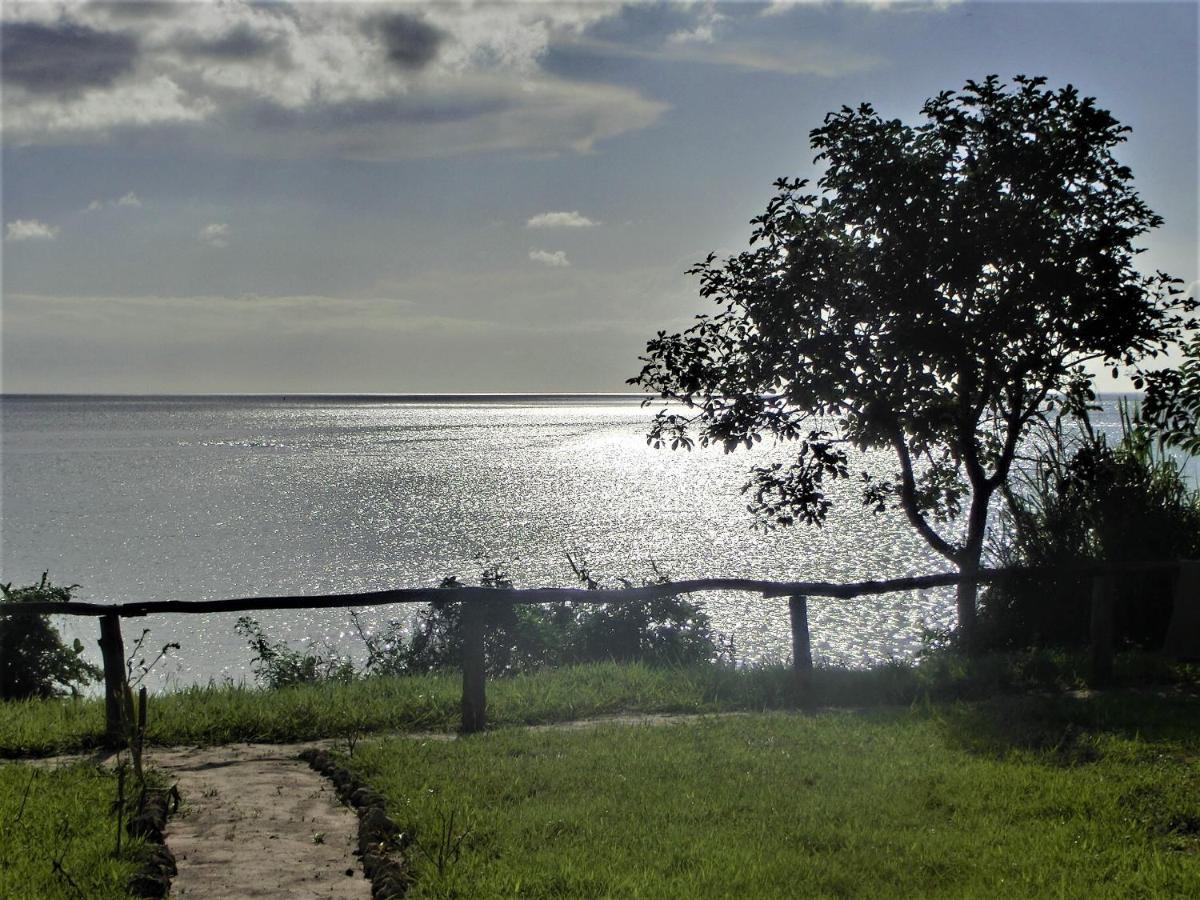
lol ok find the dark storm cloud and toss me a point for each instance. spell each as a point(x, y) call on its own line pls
point(411, 43)
point(240, 43)
point(64, 58)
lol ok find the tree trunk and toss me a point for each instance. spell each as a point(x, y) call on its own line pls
point(968, 592)
point(967, 560)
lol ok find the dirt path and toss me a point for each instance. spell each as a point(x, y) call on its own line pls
point(257, 822)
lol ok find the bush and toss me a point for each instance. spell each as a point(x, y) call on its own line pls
point(34, 661)
point(277, 665)
point(1082, 502)
point(518, 637)
point(521, 637)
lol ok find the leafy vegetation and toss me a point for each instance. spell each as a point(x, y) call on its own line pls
point(1172, 406)
point(524, 637)
point(943, 287)
point(34, 661)
point(277, 665)
point(1081, 501)
point(518, 638)
point(57, 833)
point(1025, 799)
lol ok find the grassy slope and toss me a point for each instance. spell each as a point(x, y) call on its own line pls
point(221, 713)
point(48, 814)
point(893, 803)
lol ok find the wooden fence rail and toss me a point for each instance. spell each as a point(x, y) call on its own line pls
point(474, 701)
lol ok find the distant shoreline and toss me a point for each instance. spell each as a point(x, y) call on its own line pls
point(381, 397)
point(333, 397)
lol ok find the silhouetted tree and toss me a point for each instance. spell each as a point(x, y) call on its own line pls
point(1172, 407)
point(944, 286)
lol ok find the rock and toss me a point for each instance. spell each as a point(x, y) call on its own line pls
point(365, 797)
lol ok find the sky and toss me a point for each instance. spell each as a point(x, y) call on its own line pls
point(269, 197)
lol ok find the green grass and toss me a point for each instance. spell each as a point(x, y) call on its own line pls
point(59, 815)
point(903, 803)
point(224, 713)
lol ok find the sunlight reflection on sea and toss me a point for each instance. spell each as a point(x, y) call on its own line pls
point(202, 498)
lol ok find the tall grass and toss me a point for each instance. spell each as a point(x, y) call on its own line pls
point(56, 835)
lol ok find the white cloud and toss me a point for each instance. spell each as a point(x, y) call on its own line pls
point(30, 230)
point(131, 199)
point(779, 7)
point(557, 259)
point(571, 219)
point(702, 31)
point(215, 235)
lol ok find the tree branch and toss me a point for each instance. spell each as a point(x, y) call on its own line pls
point(908, 500)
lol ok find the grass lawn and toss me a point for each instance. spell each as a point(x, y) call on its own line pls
point(60, 816)
point(223, 713)
point(1005, 799)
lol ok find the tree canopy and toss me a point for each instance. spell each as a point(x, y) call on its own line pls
point(1172, 406)
point(943, 285)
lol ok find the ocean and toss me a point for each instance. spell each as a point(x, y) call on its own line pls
point(190, 498)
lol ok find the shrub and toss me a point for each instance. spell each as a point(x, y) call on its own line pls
point(517, 637)
point(1086, 501)
point(663, 631)
point(34, 661)
point(520, 637)
point(277, 665)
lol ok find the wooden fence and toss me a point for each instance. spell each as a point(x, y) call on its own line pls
point(474, 699)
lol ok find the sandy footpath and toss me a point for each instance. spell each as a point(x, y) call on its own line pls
point(258, 822)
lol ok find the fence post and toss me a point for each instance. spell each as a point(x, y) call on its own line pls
point(801, 648)
point(1103, 629)
point(474, 696)
point(112, 651)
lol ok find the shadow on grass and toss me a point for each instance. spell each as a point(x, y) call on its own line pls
point(1070, 728)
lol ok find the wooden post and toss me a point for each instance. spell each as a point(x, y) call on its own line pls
point(474, 696)
point(112, 651)
point(1103, 630)
point(801, 648)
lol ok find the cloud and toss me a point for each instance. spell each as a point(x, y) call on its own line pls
point(781, 7)
point(556, 260)
point(129, 200)
point(215, 235)
point(697, 33)
point(238, 44)
point(411, 42)
point(64, 58)
point(560, 220)
point(138, 9)
point(474, 114)
point(350, 80)
point(700, 33)
point(30, 230)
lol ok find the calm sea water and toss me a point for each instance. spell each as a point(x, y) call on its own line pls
point(207, 497)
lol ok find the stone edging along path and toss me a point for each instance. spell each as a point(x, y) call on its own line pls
point(156, 862)
point(380, 841)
